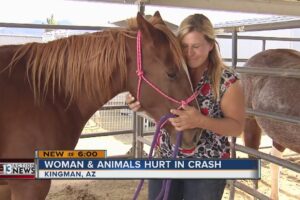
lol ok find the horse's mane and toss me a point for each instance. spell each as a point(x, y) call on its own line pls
point(81, 63)
point(74, 64)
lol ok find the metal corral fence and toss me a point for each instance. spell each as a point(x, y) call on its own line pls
point(116, 119)
point(234, 29)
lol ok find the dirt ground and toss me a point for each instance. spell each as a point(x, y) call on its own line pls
point(124, 189)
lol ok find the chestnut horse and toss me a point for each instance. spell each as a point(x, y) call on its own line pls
point(49, 91)
point(273, 94)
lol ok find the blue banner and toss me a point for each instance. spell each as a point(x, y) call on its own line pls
point(146, 164)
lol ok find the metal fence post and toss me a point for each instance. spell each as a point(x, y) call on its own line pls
point(134, 132)
point(138, 133)
point(233, 139)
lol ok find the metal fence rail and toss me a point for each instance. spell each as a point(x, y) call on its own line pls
point(54, 27)
point(275, 72)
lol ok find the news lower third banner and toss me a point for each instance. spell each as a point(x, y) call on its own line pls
point(90, 164)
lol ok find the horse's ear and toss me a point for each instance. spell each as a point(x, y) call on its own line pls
point(157, 15)
point(144, 26)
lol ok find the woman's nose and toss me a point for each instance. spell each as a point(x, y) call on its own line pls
point(190, 52)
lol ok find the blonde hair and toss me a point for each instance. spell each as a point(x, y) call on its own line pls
point(202, 24)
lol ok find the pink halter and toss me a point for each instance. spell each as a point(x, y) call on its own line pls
point(141, 76)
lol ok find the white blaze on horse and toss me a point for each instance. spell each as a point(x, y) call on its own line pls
point(49, 91)
point(273, 94)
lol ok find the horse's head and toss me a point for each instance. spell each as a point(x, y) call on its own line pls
point(163, 65)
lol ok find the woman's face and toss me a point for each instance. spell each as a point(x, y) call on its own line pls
point(196, 49)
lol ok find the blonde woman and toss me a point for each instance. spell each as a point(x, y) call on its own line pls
point(221, 113)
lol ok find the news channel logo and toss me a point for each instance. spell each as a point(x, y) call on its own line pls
point(17, 168)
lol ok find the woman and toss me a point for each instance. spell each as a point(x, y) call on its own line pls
point(221, 102)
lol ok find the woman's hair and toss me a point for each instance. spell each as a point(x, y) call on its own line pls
point(202, 24)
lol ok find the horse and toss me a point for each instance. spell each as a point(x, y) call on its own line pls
point(50, 90)
point(273, 94)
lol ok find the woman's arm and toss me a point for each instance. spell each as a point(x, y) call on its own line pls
point(232, 106)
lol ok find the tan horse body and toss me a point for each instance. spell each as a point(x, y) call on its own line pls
point(49, 91)
point(273, 94)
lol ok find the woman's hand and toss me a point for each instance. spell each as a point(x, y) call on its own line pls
point(188, 118)
point(132, 104)
point(232, 106)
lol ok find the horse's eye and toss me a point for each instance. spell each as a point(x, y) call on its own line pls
point(172, 75)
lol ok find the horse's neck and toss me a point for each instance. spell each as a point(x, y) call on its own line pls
point(87, 107)
point(116, 84)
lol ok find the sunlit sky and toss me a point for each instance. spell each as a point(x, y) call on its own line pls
point(99, 14)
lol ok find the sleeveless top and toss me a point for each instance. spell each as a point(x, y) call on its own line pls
point(209, 144)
